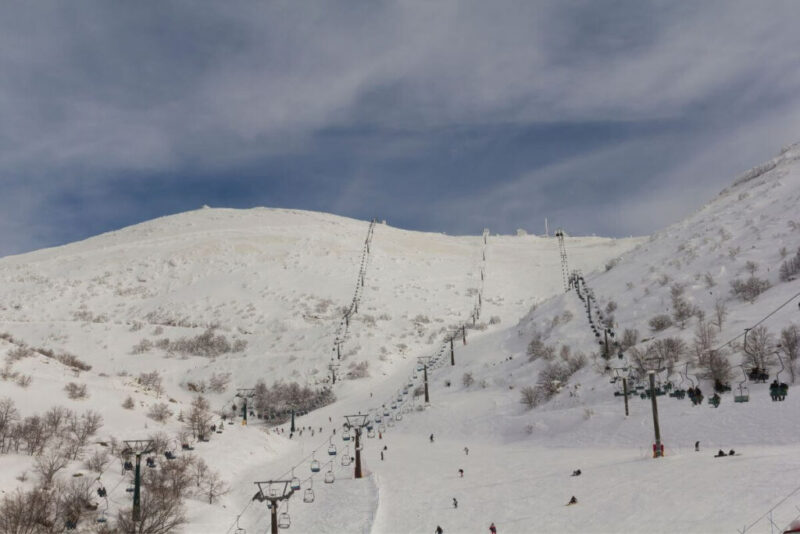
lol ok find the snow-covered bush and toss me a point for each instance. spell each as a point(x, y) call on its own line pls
point(159, 412)
point(630, 337)
point(790, 348)
point(467, 379)
point(206, 344)
point(749, 289)
point(76, 391)
point(660, 322)
point(358, 370)
point(790, 268)
point(128, 404)
point(145, 345)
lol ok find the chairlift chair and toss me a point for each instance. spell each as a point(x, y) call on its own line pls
point(744, 392)
point(370, 432)
point(398, 417)
point(308, 495)
point(345, 436)
point(315, 467)
point(391, 422)
point(295, 484)
point(102, 518)
point(284, 521)
point(329, 476)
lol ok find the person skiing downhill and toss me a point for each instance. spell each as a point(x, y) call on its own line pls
point(455, 503)
point(439, 530)
point(431, 438)
point(493, 529)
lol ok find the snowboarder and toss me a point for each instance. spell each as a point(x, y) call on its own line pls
point(697, 446)
point(576, 473)
point(732, 453)
point(461, 473)
point(466, 451)
point(455, 503)
point(431, 438)
point(573, 500)
point(720, 454)
point(774, 390)
point(493, 529)
point(439, 530)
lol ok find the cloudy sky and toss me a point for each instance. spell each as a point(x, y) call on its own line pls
point(613, 117)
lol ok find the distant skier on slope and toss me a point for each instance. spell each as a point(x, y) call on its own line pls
point(466, 451)
point(493, 529)
point(572, 501)
point(431, 438)
point(697, 446)
point(455, 503)
point(576, 473)
point(439, 530)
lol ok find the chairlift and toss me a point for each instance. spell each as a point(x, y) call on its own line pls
point(332, 450)
point(370, 432)
point(169, 455)
point(744, 391)
point(378, 418)
point(391, 422)
point(130, 489)
point(284, 521)
point(127, 466)
point(329, 477)
point(295, 484)
point(102, 518)
point(308, 495)
point(382, 428)
point(315, 468)
point(398, 417)
point(151, 462)
point(345, 436)
point(346, 458)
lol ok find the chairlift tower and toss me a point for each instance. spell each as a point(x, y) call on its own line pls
point(425, 360)
point(274, 496)
point(563, 251)
point(244, 394)
point(137, 447)
point(653, 366)
point(357, 423)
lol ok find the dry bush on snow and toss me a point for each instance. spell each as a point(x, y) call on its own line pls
point(749, 289)
point(76, 391)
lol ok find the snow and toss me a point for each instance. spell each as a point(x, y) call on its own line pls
point(278, 279)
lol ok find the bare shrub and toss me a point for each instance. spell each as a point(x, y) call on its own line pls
point(749, 289)
point(358, 370)
point(494, 319)
point(159, 412)
point(213, 486)
point(151, 381)
point(24, 381)
point(467, 379)
point(630, 337)
point(207, 344)
point(790, 268)
point(530, 396)
point(758, 351)
point(790, 348)
point(128, 404)
point(660, 322)
point(160, 513)
point(76, 391)
point(537, 349)
point(218, 382)
point(199, 419)
point(611, 307)
point(18, 353)
point(70, 360)
point(98, 461)
point(50, 462)
point(145, 345)
point(751, 267)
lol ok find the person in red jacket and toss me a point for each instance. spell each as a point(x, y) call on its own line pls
point(493, 529)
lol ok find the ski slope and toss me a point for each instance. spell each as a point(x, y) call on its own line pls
point(278, 279)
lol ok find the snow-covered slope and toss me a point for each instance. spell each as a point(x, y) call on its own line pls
point(278, 281)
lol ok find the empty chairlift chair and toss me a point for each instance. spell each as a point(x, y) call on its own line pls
point(284, 521)
point(295, 484)
point(332, 450)
point(315, 467)
point(329, 477)
point(308, 495)
point(744, 392)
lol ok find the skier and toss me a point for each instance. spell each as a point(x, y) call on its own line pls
point(493, 529)
point(439, 530)
point(381, 456)
point(455, 503)
point(466, 451)
point(732, 453)
point(576, 473)
point(461, 473)
point(720, 454)
point(697, 446)
point(573, 500)
point(431, 438)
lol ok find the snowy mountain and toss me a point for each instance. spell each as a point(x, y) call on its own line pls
point(214, 300)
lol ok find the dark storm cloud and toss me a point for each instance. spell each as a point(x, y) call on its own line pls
point(607, 117)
